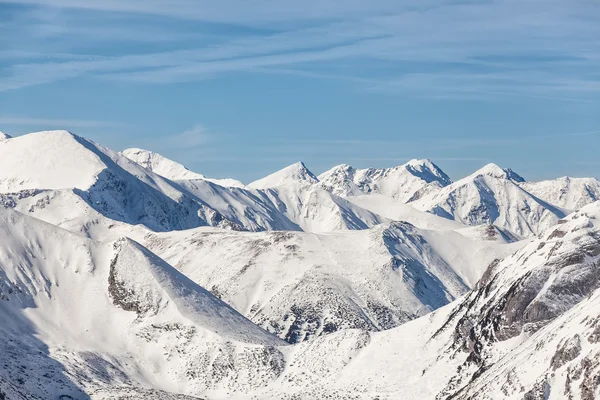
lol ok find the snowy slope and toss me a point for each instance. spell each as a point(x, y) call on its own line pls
point(145, 314)
point(529, 330)
point(568, 193)
point(160, 165)
point(77, 184)
point(301, 285)
point(55, 162)
point(285, 200)
point(251, 209)
point(4, 136)
point(47, 160)
point(490, 196)
point(317, 210)
point(529, 327)
point(487, 232)
point(171, 169)
point(396, 210)
point(127, 292)
point(405, 183)
point(295, 173)
point(152, 329)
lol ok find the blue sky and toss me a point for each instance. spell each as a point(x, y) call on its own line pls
point(244, 87)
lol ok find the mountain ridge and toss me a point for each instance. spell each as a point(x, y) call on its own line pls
point(302, 287)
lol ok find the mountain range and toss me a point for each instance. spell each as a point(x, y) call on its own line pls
point(125, 275)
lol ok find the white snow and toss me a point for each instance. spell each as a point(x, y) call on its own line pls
point(160, 165)
point(566, 192)
point(46, 160)
point(133, 277)
point(491, 196)
point(171, 169)
point(405, 183)
point(293, 174)
point(397, 211)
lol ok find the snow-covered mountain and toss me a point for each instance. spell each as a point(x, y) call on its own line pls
point(529, 330)
point(568, 193)
point(127, 276)
point(66, 177)
point(299, 285)
point(530, 326)
point(4, 136)
point(171, 169)
point(292, 174)
point(405, 183)
point(78, 184)
point(80, 315)
point(492, 196)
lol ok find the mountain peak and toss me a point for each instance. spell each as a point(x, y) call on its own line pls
point(339, 180)
point(342, 169)
point(160, 165)
point(496, 171)
point(295, 173)
point(4, 136)
point(420, 162)
point(61, 133)
point(428, 171)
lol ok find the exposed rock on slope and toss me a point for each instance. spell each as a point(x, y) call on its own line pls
point(142, 282)
point(301, 285)
point(541, 302)
point(148, 321)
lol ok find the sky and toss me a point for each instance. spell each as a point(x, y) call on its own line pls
point(241, 88)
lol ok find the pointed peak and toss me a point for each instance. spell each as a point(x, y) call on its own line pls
point(496, 171)
point(421, 162)
point(339, 180)
point(428, 171)
point(4, 136)
point(294, 173)
point(338, 169)
point(491, 169)
point(299, 165)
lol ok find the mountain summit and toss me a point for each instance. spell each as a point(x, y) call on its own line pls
point(499, 172)
point(492, 195)
point(296, 287)
point(295, 173)
point(160, 165)
point(405, 183)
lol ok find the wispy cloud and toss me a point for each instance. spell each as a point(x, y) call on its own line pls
point(434, 48)
point(189, 143)
point(192, 138)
